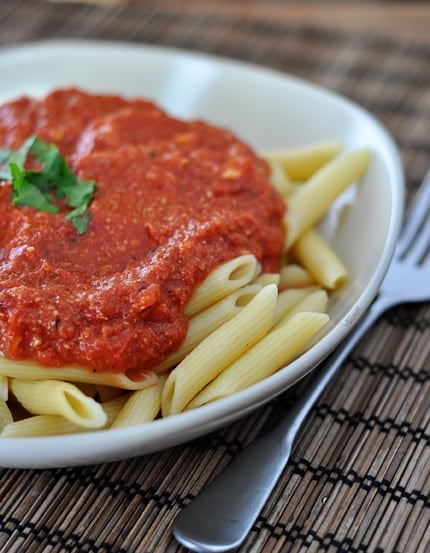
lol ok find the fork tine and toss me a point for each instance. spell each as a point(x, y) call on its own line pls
point(419, 247)
point(415, 218)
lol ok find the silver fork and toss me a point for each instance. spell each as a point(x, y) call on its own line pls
point(220, 518)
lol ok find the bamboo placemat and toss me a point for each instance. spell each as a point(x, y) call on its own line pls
point(358, 479)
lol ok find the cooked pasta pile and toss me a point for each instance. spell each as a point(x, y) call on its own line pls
point(243, 325)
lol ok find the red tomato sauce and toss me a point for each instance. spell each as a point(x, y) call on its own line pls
point(174, 199)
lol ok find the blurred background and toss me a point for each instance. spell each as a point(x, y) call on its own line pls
point(403, 18)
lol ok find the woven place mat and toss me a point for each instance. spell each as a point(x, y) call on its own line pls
point(358, 479)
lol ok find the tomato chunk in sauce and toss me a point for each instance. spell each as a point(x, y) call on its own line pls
point(174, 199)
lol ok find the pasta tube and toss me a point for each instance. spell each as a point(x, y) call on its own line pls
point(54, 425)
point(267, 278)
point(310, 202)
point(287, 300)
point(319, 259)
point(54, 397)
point(218, 350)
point(5, 415)
point(302, 163)
point(294, 276)
point(29, 370)
point(266, 357)
point(279, 178)
point(314, 302)
point(40, 425)
point(208, 320)
point(141, 406)
point(4, 388)
point(222, 281)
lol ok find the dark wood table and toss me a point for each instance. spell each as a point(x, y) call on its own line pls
point(358, 480)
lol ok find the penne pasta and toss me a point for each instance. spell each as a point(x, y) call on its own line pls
point(302, 163)
point(275, 350)
point(309, 203)
point(279, 178)
point(319, 259)
point(313, 302)
point(223, 281)
point(113, 407)
point(267, 278)
point(218, 350)
point(54, 425)
point(4, 388)
point(40, 425)
point(295, 276)
point(29, 370)
point(142, 406)
point(205, 322)
point(287, 300)
point(5, 415)
point(54, 397)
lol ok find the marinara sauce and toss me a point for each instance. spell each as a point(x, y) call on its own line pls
point(174, 199)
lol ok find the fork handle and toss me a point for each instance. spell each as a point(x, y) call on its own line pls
point(220, 518)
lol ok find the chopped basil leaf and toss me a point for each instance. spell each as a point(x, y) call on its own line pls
point(35, 188)
point(79, 217)
point(25, 192)
point(17, 157)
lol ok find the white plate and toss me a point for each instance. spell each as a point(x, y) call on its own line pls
point(268, 110)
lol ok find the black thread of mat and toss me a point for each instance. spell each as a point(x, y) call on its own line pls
point(391, 370)
point(302, 468)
